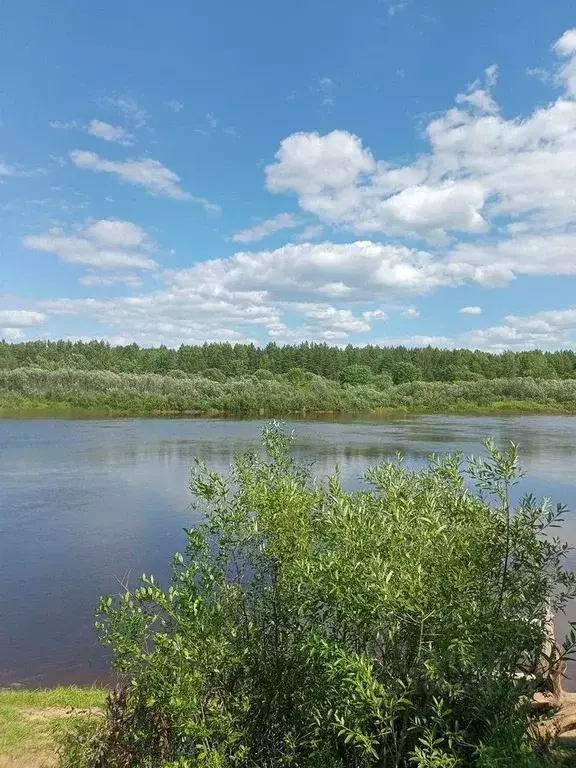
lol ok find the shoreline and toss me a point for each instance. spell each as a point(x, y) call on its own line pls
point(499, 408)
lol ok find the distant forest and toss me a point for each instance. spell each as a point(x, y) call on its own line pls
point(354, 365)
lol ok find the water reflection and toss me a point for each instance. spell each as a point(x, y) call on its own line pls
point(85, 502)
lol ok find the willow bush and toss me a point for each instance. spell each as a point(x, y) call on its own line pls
point(398, 625)
point(268, 394)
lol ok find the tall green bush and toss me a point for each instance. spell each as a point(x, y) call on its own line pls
point(307, 626)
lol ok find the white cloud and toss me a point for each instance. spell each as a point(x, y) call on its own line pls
point(6, 170)
point(150, 174)
point(133, 112)
point(550, 330)
point(20, 318)
point(115, 233)
point(106, 244)
point(554, 329)
point(394, 8)
point(310, 232)
point(327, 87)
point(287, 294)
point(566, 48)
point(109, 132)
point(415, 341)
point(212, 209)
point(497, 263)
point(566, 45)
point(356, 271)
point(175, 105)
point(265, 228)
point(316, 167)
point(470, 311)
point(375, 314)
point(478, 95)
point(66, 125)
point(410, 314)
point(12, 334)
point(212, 120)
point(480, 167)
point(93, 279)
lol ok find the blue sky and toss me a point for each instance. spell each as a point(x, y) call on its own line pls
point(374, 172)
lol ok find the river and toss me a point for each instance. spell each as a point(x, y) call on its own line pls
point(87, 504)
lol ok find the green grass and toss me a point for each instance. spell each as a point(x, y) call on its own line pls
point(29, 721)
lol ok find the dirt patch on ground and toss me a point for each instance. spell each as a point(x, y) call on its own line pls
point(38, 760)
point(39, 750)
point(41, 714)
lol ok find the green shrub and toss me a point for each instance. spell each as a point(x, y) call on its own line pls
point(356, 374)
point(307, 626)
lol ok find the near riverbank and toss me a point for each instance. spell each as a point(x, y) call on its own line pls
point(76, 392)
point(31, 721)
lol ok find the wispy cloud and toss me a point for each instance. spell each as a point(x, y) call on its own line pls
point(175, 105)
point(395, 8)
point(133, 112)
point(156, 178)
point(107, 244)
point(265, 228)
point(212, 124)
point(310, 232)
point(6, 170)
point(326, 86)
point(63, 125)
point(470, 311)
point(109, 132)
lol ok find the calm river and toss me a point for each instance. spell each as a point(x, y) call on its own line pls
point(86, 504)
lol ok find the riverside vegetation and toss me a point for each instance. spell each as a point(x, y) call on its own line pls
point(396, 626)
point(264, 393)
point(244, 379)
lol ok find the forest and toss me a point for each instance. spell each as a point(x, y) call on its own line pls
point(220, 360)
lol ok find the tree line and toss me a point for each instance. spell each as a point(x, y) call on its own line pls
point(350, 364)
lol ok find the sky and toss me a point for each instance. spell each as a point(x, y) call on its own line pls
point(383, 172)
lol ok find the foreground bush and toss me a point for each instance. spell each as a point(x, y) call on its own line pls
point(306, 626)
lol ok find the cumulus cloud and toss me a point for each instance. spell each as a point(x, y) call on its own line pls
point(105, 244)
point(12, 334)
point(507, 183)
point(150, 174)
point(20, 318)
point(356, 271)
point(549, 330)
point(116, 233)
point(265, 228)
point(554, 329)
point(480, 167)
point(109, 132)
point(470, 311)
point(175, 105)
point(287, 294)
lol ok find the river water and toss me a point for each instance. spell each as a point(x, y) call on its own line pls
point(87, 504)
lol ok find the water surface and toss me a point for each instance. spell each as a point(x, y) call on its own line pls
point(87, 504)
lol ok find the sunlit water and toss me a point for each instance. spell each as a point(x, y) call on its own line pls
point(85, 504)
